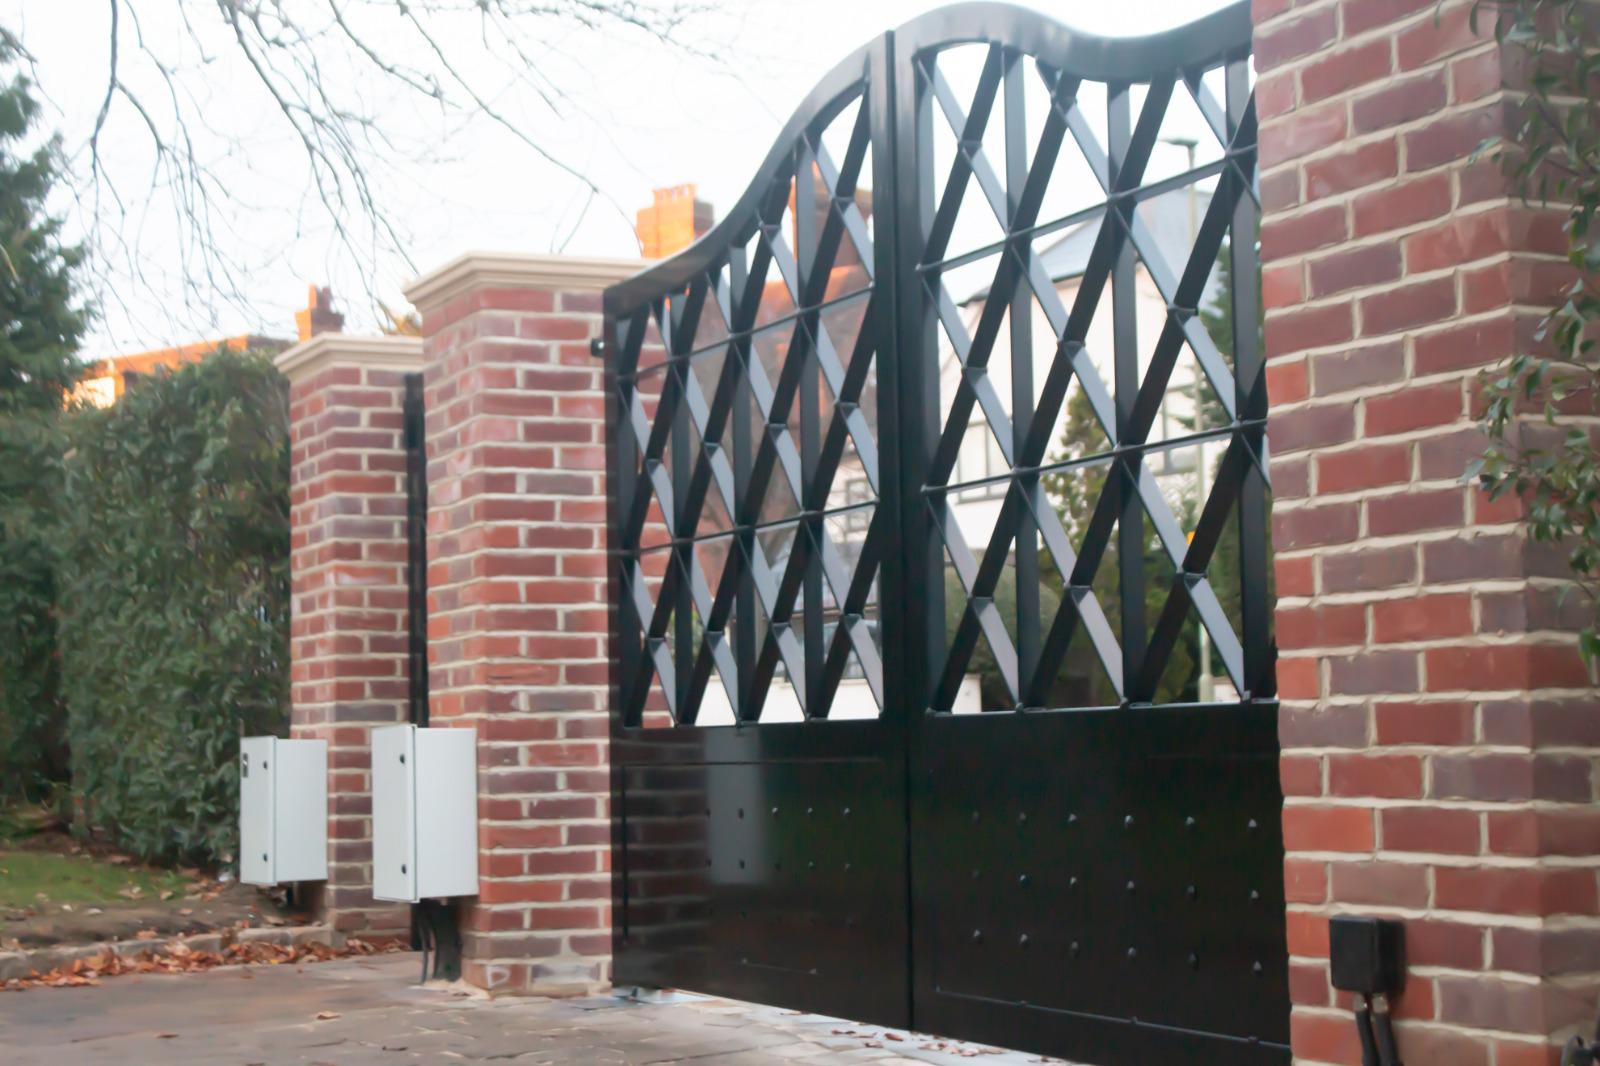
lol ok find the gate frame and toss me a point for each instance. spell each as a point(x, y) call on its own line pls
point(908, 656)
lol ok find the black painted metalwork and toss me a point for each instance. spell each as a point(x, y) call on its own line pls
point(433, 924)
point(919, 429)
point(415, 440)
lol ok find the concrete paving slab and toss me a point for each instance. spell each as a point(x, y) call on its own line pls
point(375, 1015)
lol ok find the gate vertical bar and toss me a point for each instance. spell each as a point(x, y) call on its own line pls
point(916, 386)
point(1021, 317)
point(916, 634)
point(1125, 359)
point(683, 523)
point(813, 499)
point(902, 578)
point(1250, 381)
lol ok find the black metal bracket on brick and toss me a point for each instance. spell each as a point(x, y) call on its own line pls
point(440, 932)
point(1580, 1052)
point(1367, 956)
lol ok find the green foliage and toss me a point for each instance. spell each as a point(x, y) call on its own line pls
point(1539, 405)
point(39, 329)
point(175, 600)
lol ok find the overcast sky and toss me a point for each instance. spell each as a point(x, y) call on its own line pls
point(640, 115)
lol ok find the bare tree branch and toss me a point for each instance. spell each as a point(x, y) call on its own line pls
point(330, 73)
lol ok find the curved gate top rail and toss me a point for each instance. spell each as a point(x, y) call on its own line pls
point(961, 408)
point(1196, 45)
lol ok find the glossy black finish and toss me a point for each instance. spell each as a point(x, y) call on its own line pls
point(427, 927)
point(415, 439)
point(1100, 883)
point(765, 864)
point(1118, 901)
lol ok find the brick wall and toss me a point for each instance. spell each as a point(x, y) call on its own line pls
point(348, 578)
point(1439, 729)
point(516, 599)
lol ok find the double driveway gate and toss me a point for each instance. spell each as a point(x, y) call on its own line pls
point(943, 685)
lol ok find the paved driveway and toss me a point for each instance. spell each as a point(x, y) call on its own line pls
point(268, 1015)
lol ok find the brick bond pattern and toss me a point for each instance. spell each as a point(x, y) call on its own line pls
point(517, 615)
point(1439, 730)
point(348, 582)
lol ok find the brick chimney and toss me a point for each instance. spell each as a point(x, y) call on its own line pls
point(318, 315)
point(672, 222)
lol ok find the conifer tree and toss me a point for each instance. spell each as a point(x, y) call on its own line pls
point(40, 324)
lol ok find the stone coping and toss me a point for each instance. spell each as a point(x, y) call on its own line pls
point(330, 349)
point(518, 270)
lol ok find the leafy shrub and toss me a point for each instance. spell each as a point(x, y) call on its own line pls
point(32, 740)
point(1539, 405)
point(175, 601)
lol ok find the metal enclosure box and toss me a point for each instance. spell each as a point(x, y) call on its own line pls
point(424, 813)
point(283, 810)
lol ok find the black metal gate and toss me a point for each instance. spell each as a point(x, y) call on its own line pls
point(943, 683)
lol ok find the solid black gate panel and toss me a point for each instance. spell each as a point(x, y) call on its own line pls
point(763, 865)
point(943, 687)
point(1120, 900)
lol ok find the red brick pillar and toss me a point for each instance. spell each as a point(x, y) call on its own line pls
point(1439, 729)
point(517, 601)
point(347, 568)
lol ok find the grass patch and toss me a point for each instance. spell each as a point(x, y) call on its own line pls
point(78, 879)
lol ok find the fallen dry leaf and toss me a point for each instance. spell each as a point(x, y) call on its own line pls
point(166, 1036)
point(181, 958)
point(146, 934)
point(185, 911)
point(167, 894)
point(325, 1015)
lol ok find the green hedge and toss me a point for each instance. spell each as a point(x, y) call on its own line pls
point(32, 740)
point(174, 601)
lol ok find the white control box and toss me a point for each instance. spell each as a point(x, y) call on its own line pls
point(283, 810)
point(424, 813)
